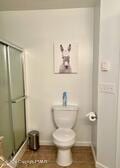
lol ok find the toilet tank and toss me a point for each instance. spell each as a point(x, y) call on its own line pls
point(65, 116)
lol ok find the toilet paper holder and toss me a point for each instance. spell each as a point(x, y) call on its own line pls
point(92, 116)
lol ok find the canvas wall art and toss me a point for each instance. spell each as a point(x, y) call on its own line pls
point(65, 57)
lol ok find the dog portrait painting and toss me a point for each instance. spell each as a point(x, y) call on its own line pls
point(65, 56)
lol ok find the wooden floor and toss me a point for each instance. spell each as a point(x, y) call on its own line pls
point(82, 158)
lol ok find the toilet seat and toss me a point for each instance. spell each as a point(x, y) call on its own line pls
point(64, 134)
point(64, 138)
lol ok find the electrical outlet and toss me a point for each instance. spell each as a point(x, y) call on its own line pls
point(107, 88)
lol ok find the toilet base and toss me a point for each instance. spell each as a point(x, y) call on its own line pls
point(64, 157)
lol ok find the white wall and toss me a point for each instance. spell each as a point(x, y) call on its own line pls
point(107, 104)
point(118, 131)
point(36, 31)
point(95, 73)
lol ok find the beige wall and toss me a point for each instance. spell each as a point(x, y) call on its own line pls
point(36, 31)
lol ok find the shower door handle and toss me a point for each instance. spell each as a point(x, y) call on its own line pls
point(19, 99)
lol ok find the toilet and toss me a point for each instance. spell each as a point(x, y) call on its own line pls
point(64, 136)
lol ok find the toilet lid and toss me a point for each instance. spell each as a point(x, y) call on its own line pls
point(64, 134)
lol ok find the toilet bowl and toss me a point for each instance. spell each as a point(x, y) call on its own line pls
point(64, 139)
point(64, 136)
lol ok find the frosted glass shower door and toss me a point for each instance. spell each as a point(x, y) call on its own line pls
point(17, 95)
point(5, 115)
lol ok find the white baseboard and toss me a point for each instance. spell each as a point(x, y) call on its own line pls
point(83, 143)
point(93, 152)
point(78, 143)
point(18, 156)
point(99, 165)
point(46, 143)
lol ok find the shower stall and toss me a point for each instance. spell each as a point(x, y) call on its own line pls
point(12, 99)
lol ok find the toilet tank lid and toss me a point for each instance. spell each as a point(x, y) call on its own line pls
point(65, 108)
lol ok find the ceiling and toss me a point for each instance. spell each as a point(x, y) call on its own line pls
point(11, 5)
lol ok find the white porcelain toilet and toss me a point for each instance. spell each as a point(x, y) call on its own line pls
point(64, 136)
